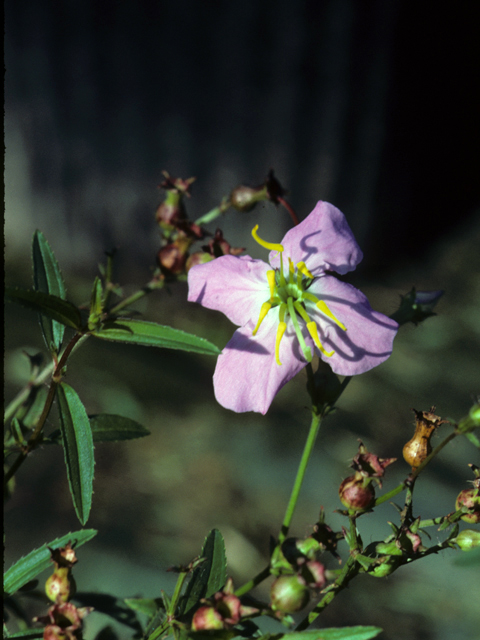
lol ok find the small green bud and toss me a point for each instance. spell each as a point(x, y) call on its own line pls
point(468, 539)
point(289, 594)
point(387, 566)
point(388, 549)
point(470, 422)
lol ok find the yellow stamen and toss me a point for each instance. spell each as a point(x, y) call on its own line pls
point(268, 245)
point(324, 309)
point(282, 326)
point(271, 282)
point(313, 331)
point(302, 267)
point(291, 268)
point(266, 306)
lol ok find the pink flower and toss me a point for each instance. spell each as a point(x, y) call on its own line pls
point(290, 309)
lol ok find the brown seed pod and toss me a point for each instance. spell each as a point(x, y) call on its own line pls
point(419, 447)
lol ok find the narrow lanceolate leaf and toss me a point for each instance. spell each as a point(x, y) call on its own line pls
point(48, 305)
point(334, 633)
point(210, 576)
point(154, 335)
point(47, 278)
point(78, 447)
point(38, 560)
point(26, 634)
point(107, 427)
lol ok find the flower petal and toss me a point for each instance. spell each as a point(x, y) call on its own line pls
point(246, 377)
point(236, 286)
point(324, 241)
point(368, 340)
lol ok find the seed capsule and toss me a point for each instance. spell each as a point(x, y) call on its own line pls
point(419, 447)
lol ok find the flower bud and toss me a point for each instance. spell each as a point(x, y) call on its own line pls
point(199, 257)
point(419, 447)
point(369, 465)
point(173, 257)
point(207, 617)
point(417, 306)
point(386, 566)
point(289, 594)
point(245, 198)
point(469, 499)
point(172, 211)
point(468, 539)
point(64, 621)
point(470, 422)
point(357, 493)
point(313, 572)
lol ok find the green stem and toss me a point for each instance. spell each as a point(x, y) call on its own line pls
point(37, 434)
point(248, 586)
point(307, 451)
point(214, 213)
point(40, 379)
point(415, 473)
point(435, 452)
point(349, 571)
point(148, 288)
point(391, 494)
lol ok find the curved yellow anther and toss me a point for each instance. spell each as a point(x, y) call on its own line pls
point(324, 309)
point(271, 282)
point(282, 326)
point(313, 331)
point(268, 245)
point(302, 267)
point(265, 308)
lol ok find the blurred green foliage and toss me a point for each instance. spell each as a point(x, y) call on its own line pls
point(204, 467)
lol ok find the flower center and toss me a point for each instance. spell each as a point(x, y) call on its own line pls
point(290, 292)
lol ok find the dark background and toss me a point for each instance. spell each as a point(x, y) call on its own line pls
point(370, 105)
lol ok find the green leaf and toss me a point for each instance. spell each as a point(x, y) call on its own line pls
point(334, 633)
point(107, 427)
point(154, 335)
point(47, 278)
point(26, 634)
point(48, 305)
point(78, 447)
point(96, 304)
point(210, 576)
point(148, 606)
point(38, 560)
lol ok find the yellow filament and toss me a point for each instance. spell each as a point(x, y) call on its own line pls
point(324, 309)
point(271, 282)
point(266, 306)
point(268, 245)
point(302, 267)
point(313, 331)
point(282, 326)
